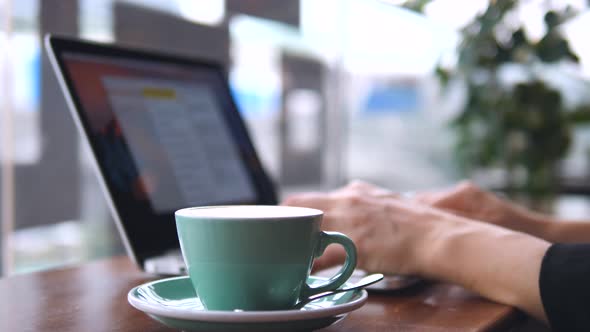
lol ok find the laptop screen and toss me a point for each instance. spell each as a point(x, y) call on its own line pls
point(161, 130)
point(165, 134)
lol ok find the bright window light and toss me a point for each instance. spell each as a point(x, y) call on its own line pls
point(206, 12)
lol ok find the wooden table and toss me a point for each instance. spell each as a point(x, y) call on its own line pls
point(93, 297)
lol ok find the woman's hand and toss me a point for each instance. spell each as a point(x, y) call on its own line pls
point(470, 201)
point(390, 234)
point(396, 236)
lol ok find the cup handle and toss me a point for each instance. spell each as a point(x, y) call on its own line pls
point(327, 238)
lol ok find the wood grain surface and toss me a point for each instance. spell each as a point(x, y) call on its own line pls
point(93, 297)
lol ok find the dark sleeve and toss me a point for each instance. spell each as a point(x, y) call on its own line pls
point(565, 287)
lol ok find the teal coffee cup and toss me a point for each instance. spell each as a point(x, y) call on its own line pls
point(254, 257)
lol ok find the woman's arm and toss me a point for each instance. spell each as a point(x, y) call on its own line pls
point(564, 231)
point(497, 263)
point(400, 237)
point(468, 200)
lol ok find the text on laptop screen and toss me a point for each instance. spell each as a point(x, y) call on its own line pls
point(171, 121)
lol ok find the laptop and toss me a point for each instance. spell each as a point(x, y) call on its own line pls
point(164, 133)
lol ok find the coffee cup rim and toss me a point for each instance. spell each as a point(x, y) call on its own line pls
point(311, 212)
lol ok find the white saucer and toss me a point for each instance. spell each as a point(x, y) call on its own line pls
point(174, 303)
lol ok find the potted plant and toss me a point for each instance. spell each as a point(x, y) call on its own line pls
point(523, 126)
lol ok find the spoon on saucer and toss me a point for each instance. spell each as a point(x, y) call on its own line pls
point(365, 281)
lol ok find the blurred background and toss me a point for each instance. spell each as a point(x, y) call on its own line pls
point(409, 95)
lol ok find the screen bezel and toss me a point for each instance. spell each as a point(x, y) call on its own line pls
point(156, 235)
